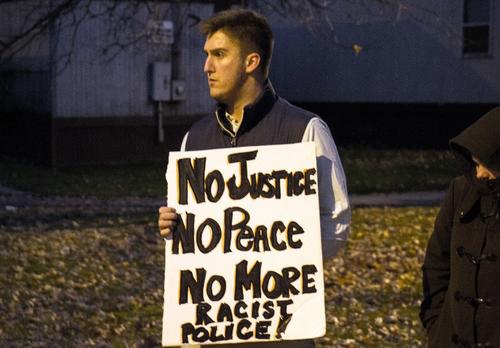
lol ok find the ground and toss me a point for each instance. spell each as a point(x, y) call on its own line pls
point(89, 272)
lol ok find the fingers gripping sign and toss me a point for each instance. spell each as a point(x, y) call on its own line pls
point(167, 221)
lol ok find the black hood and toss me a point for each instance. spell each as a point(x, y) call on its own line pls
point(481, 140)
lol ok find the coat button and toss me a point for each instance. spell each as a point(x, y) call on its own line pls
point(483, 345)
point(460, 251)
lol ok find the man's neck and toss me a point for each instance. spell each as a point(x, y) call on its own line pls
point(250, 92)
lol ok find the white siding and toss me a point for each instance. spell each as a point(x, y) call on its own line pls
point(188, 66)
point(17, 15)
point(401, 61)
point(93, 87)
point(25, 83)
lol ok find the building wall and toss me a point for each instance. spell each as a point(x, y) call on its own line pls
point(414, 59)
point(25, 102)
point(64, 95)
point(103, 111)
point(93, 109)
point(118, 83)
point(24, 79)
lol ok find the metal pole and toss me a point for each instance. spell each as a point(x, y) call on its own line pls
point(161, 133)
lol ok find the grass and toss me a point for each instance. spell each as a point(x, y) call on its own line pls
point(146, 180)
point(74, 279)
point(367, 170)
point(371, 170)
point(101, 284)
point(375, 285)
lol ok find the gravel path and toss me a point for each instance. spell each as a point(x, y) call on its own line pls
point(420, 198)
point(12, 199)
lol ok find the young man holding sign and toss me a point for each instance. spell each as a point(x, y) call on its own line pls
point(239, 46)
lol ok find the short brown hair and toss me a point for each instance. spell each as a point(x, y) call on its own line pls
point(249, 28)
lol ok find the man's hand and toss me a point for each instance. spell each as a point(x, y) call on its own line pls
point(167, 220)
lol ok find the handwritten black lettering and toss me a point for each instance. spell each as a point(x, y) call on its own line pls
point(194, 286)
point(236, 230)
point(265, 185)
point(273, 284)
point(235, 191)
point(202, 317)
point(192, 175)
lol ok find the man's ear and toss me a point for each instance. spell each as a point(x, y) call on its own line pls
point(252, 62)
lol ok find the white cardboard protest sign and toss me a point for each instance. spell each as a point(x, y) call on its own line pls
point(245, 262)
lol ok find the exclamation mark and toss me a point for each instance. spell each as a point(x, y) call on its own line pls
point(282, 325)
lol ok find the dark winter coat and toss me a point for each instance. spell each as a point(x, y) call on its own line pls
point(461, 271)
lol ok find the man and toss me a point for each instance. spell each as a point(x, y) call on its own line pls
point(461, 271)
point(239, 46)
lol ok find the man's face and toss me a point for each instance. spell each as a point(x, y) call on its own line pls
point(224, 66)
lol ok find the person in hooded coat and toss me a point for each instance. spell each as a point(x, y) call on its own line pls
point(461, 270)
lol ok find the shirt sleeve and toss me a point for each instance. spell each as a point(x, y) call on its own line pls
point(184, 141)
point(182, 149)
point(335, 212)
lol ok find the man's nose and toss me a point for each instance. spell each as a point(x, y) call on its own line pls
point(208, 67)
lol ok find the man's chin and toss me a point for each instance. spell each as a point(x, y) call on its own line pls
point(217, 97)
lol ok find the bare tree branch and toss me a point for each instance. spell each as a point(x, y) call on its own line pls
point(124, 29)
point(27, 35)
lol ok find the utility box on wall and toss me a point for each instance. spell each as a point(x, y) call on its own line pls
point(161, 81)
point(178, 90)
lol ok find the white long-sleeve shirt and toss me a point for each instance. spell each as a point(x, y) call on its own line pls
point(335, 213)
point(334, 209)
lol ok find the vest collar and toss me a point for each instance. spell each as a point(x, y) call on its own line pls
point(252, 113)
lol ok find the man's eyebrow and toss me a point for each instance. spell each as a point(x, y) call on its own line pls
point(215, 50)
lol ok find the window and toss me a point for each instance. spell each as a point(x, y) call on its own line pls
point(477, 27)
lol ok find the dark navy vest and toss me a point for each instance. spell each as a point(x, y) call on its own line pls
point(270, 120)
